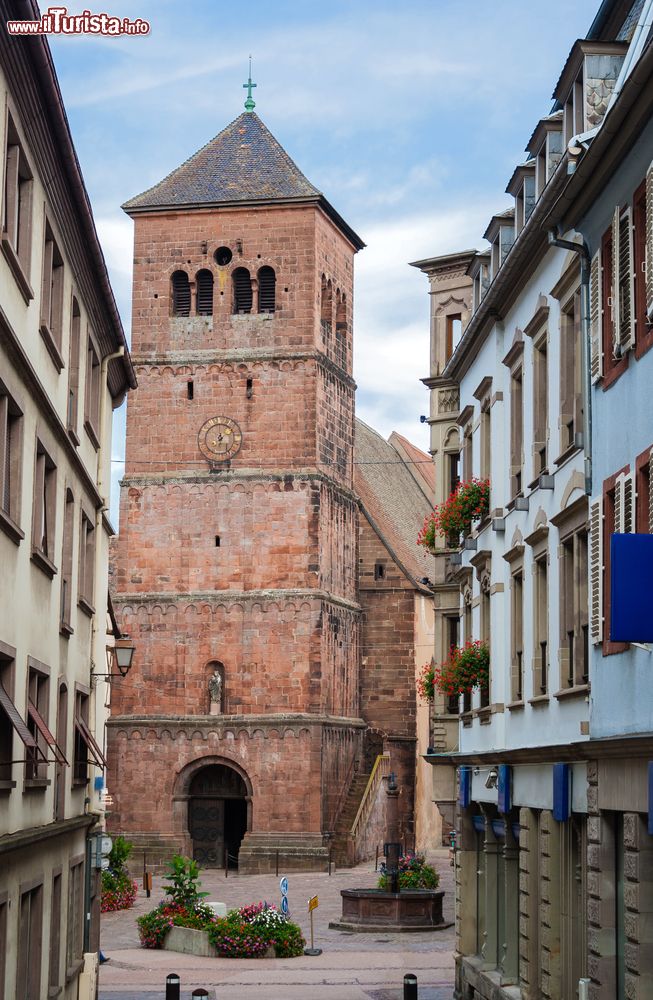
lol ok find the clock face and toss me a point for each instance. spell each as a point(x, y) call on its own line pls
point(219, 439)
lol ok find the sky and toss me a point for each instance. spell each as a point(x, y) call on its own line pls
point(409, 117)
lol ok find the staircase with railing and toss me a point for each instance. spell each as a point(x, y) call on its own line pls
point(356, 811)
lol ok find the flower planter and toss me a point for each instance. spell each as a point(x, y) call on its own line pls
point(375, 910)
point(189, 941)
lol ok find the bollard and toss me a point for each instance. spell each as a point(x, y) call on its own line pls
point(583, 989)
point(329, 861)
point(172, 986)
point(201, 992)
point(276, 864)
point(226, 862)
point(376, 859)
point(410, 987)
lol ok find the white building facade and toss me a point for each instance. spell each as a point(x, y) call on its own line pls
point(63, 366)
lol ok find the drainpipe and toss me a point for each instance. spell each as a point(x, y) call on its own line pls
point(581, 248)
point(103, 419)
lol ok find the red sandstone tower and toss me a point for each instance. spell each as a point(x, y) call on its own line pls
point(235, 568)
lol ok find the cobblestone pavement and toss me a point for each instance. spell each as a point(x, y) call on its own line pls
point(351, 967)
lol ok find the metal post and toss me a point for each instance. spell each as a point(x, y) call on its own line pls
point(410, 987)
point(173, 986)
point(376, 859)
point(201, 992)
point(329, 865)
point(584, 989)
point(226, 862)
point(276, 864)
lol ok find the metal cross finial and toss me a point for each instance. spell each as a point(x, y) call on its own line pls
point(249, 103)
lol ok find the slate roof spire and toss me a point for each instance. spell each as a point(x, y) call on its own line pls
point(243, 164)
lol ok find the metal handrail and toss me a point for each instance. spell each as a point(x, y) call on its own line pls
point(380, 770)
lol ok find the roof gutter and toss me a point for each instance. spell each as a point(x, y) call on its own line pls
point(42, 58)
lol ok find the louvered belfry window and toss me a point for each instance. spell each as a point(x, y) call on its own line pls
point(180, 294)
point(266, 290)
point(204, 282)
point(242, 290)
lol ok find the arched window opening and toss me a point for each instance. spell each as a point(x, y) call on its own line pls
point(266, 290)
point(215, 670)
point(242, 290)
point(180, 294)
point(326, 310)
point(341, 313)
point(204, 302)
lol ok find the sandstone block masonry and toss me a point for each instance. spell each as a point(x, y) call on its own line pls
point(244, 568)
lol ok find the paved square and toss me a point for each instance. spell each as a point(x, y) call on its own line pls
point(351, 966)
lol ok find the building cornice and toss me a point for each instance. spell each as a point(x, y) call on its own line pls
point(211, 723)
point(234, 597)
point(590, 749)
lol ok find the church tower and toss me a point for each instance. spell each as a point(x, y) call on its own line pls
point(235, 568)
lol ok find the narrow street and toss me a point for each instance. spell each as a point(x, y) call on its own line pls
point(351, 966)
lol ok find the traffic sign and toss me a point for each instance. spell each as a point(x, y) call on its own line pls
point(104, 864)
point(313, 903)
point(284, 905)
point(106, 844)
point(283, 885)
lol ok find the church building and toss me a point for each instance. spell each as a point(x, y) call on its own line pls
point(236, 734)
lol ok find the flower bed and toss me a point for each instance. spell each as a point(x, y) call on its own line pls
point(470, 501)
point(468, 667)
point(118, 888)
point(251, 932)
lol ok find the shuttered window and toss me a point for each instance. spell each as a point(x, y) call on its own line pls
point(649, 240)
point(596, 316)
point(623, 279)
point(624, 504)
point(242, 291)
point(596, 570)
point(204, 283)
point(180, 294)
point(266, 290)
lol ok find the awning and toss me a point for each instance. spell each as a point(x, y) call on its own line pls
point(15, 718)
point(39, 722)
point(91, 745)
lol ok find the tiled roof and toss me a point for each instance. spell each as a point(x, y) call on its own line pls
point(392, 498)
point(244, 163)
point(420, 465)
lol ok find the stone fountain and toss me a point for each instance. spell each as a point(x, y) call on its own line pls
point(394, 909)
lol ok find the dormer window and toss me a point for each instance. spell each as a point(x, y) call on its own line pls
point(479, 272)
point(586, 84)
point(546, 148)
point(501, 235)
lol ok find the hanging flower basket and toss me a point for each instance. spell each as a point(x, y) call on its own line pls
point(468, 667)
point(469, 502)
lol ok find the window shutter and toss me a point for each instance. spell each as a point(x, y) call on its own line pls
point(650, 493)
point(596, 570)
point(626, 338)
point(649, 240)
point(596, 317)
point(619, 505)
point(628, 503)
point(616, 312)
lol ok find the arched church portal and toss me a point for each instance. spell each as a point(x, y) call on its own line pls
point(217, 815)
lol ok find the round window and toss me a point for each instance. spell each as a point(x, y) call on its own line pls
point(223, 256)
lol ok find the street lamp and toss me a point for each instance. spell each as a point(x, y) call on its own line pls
point(119, 655)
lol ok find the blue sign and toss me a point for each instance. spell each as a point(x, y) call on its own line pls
point(561, 792)
point(284, 905)
point(504, 785)
point(283, 885)
point(631, 588)
point(464, 786)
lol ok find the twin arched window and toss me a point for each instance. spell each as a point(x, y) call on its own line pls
point(243, 292)
point(243, 296)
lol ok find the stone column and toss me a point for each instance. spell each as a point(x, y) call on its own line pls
point(489, 931)
point(509, 949)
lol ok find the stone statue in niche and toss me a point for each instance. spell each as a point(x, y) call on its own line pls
point(215, 693)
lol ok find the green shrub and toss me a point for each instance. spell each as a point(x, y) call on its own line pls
point(182, 880)
point(414, 873)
